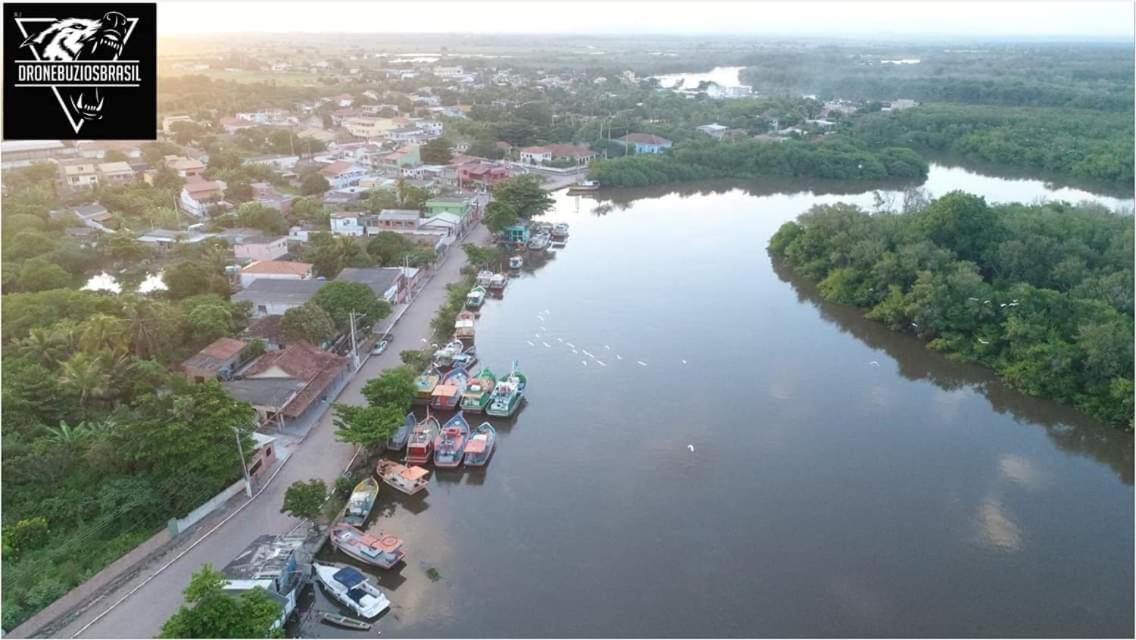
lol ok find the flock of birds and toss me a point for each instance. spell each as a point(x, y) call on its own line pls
point(543, 338)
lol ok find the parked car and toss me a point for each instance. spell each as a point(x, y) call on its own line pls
point(380, 347)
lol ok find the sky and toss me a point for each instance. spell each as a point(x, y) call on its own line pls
point(965, 18)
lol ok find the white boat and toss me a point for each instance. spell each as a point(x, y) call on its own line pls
point(586, 185)
point(351, 588)
point(498, 282)
point(516, 262)
point(560, 231)
point(383, 551)
point(539, 242)
point(444, 357)
point(483, 278)
point(409, 480)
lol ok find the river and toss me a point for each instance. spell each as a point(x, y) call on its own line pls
point(722, 76)
point(708, 450)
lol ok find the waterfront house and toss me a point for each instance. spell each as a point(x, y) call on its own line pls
point(550, 153)
point(218, 361)
point(274, 296)
point(516, 233)
point(644, 142)
point(321, 373)
point(275, 270)
point(260, 247)
point(276, 564)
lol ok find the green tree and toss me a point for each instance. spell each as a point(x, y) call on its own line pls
point(389, 248)
point(309, 210)
point(304, 500)
point(238, 191)
point(394, 387)
point(379, 199)
point(192, 277)
point(339, 299)
point(207, 322)
point(410, 196)
point(259, 216)
point(524, 195)
point(436, 151)
point(313, 184)
point(499, 215)
point(114, 155)
point(38, 274)
point(307, 323)
point(214, 613)
point(367, 426)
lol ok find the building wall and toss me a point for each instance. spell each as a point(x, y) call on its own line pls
point(267, 251)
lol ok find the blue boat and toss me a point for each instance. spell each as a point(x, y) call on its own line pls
point(480, 447)
point(397, 441)
point(449, 446)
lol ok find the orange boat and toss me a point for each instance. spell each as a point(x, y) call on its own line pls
point(409, 480)
point(382, 551)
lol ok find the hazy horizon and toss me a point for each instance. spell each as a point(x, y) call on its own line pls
point(821, 19)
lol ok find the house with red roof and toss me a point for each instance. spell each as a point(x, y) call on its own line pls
point(342, 174)
point(557, 153)
point(290, 386)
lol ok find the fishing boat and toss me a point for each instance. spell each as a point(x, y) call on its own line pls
point(382, 551)
point(516, 262)
point(397, 440)
point(483, 278)
point(424, 385)
point(347, 622)
point(351, 588)
point(480, 447)
point(477, 392)
point(539, 242)
point(560, 231)
point(361, 502)
point(538, 228)
point(499, 282)
point(476, 297)
point(507, 395)
point(448, 393)
point(420, 447)
point(444, 357)
point(466, 359)
point(464, 326)
point(449, 446)
point(409, 480)
point(584, 186)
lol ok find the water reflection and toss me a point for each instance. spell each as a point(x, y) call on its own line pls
point(1069, 429)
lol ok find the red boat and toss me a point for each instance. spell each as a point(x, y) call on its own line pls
point(420, 447)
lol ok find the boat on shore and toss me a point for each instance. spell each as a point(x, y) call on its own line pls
point(483, 278)
point(424, 385)
point(420, 447)
point(539, 242)
point(383, 551)
point(508, 394)
point(464, 326)
point(476, 297)
point(407, 479)
point(499, 282)
point(480, 447)
point(477, 392)
point(449, 446)
point(516, 262)
point(351, 588)
point(466, 359)
point(397, 440)
point(448, 393)
point(361, 502)
point(347, 622)
point(560, 231)
point(444, 357)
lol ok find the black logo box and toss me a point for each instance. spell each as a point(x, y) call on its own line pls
point(36, 113)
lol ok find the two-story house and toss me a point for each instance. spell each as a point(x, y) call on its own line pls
point(199, 194)
point(342, 174)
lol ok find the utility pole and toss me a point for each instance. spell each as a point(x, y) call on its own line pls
point(244, 467)
point(354, 347)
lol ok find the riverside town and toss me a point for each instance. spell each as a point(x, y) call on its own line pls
point(568, 319)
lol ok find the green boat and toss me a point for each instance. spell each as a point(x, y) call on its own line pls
point(508, 394)
point(475, 298)
point(478, 391)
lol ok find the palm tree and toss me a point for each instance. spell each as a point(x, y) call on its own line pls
point(102, 332)
point(86, 374)
point(149, 326)
point(46, 346)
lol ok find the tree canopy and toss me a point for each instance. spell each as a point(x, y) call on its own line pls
point(213, 613)
point(339, 299)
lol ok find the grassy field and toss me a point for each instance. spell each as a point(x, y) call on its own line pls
point(251, 77)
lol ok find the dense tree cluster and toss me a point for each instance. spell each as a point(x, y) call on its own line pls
point(1041, 294)
point(1079, 143)
point(214, 613)
point(831, 158)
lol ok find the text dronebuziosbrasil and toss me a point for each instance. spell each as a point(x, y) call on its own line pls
point(92, 73)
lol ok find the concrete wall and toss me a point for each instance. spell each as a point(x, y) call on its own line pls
point(177, 525)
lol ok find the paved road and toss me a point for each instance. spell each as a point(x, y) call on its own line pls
point(320, 456)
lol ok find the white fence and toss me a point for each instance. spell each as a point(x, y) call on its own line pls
point(178, 525)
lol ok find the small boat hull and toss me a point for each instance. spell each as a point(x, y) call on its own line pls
point(397, 441)
point(481, 446)
point(346, 622)
point(383, 551)
point(449, 446)
point(361, 502)
point(508, 396)
point(351, 589)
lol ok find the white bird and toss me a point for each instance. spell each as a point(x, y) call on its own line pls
point(874, 363)
point(601, 363)
point(985, 302)
point(536, 335)
point(531, 343)
point(560, 339)
point(575, 352)
point(423, 340)
point(608, 347)
point(618, 357)
point(584, 362)
point(973, 299)
point(1003, 305)
point(546, 345)
point(543, 329)
point(684, 361)
point(641, 363)
point(570, 345)
point(691, 447)
point(915, 325)
point(586, 353)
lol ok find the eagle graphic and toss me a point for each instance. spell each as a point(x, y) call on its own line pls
point(79, 39)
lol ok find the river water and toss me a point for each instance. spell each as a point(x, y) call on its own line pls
point(737, 466)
